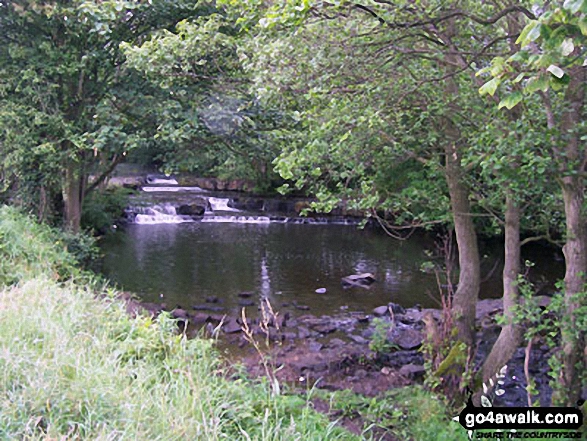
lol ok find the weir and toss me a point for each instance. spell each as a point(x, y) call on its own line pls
point(174, 204)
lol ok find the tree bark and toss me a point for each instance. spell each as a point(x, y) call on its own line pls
point(573, 339)
point(465, 298)
point(72, 194)
point(575, 249)
point(511, 334)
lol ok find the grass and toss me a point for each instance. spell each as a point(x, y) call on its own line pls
point(75, 366)
point(28, 249)
point(409, 413)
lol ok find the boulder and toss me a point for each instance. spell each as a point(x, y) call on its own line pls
point(488, 307)
point(363, 280)
point(406, 338)
point(412, 371)
point(191, 210)
point(384, 310)
point(207, 308)
point(231, 327)
point(358, 339)
point(179, 313)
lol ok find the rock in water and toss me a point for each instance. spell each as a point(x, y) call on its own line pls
point(321, 291)
point(406, 338)
point(363, 280)
point(192, 209)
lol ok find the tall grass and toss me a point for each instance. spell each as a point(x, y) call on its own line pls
point(28, 249)
point(74, 365)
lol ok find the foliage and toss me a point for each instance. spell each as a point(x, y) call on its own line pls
point(78, 367)
point(215, 126)
point(545, 322)
point(409, 413)
point(102, 207)
point(69, 102)
point(379, 342)
point(561, 32)
point(28, 249)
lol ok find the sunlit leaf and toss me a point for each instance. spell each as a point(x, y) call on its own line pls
point(556, 71)
point(511, 100)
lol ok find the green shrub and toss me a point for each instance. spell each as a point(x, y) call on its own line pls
point(102, 208)
point(28, 249)
point(410, 413)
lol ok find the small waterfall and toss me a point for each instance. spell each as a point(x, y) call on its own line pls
point(172, 189)
point(160, 181)
point(237, 219)
point(220, 204)
point(177, 205)
point(158, 214)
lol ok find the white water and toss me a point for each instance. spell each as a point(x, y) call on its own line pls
point(156, 181)
point(165, 214)
point(220, 204)
point(237, 219)
point(172, 189)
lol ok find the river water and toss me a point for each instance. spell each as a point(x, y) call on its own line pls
point(188, 264)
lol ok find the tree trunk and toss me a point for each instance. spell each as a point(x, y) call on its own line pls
point(511, 334)
point(72, 193)
point(466, 295)
point(575, 249)
point(573, 339)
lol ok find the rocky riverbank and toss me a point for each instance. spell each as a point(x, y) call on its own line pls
point(336, 352)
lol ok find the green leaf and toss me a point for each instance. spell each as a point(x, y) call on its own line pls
point(555, 70)
point(497, 66)
point(530, 33)
point(582, 23)
point(520, 77)
point(573, 5)
point(567, 47)
point(511, 100)
point(490, 87)
point(535, 84)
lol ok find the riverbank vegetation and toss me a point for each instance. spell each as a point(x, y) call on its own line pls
point(467, 116)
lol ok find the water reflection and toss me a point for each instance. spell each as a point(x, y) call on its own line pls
point(285, 262)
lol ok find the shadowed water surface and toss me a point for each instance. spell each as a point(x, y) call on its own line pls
point(184, 264)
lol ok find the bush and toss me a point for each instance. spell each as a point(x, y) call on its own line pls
point(28, 249)
point(101, 209)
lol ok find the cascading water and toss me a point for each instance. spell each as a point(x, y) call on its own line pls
point(166, 214)
point(238, 219)
point(220, 204)
point(174, 204)
point(164, 189)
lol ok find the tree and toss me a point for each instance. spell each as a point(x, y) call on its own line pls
point(215, 117)
point(431, 48)
point(551, 63)
point(66, 88)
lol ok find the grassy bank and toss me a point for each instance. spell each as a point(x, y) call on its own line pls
point(72, 365)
